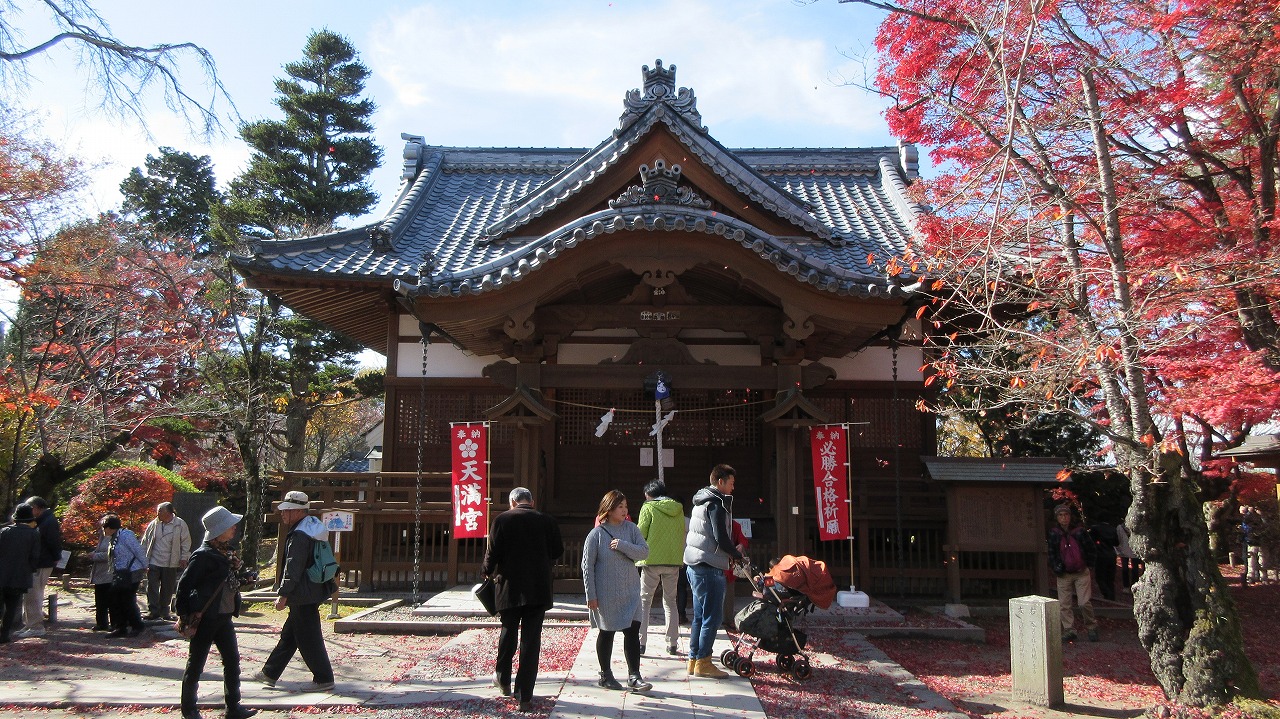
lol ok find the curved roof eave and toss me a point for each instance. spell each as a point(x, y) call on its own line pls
point(532, 256)
point(715, 156)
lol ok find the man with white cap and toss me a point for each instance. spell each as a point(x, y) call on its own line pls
point(301, 631)
point(208, 597)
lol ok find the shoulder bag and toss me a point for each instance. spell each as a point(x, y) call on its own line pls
point(186, 626)
point(486, 593)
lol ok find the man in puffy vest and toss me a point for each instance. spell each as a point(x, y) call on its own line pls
point(301, 632)
point(1071, 554)
point(708, 551)
point(662, 525)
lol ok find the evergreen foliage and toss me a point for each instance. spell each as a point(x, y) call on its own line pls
point(174, 196)
point(309, 169)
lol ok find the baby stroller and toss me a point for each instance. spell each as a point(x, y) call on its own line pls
point(789, 590)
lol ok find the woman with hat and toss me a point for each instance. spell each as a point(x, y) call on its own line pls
point(19, 555)
point(208, 597)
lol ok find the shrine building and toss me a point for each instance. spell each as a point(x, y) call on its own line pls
point(550, 283)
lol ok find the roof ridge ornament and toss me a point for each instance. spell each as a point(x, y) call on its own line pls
point(659, 87)
point(659, 186)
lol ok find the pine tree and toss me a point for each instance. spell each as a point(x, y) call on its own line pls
point(174, 196)
point(309, 169)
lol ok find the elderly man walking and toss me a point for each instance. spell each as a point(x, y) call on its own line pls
point(523, 544)
point(301, 632)
point(167, 544)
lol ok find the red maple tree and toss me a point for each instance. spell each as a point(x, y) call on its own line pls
point(1106, 209)
point(130, 492)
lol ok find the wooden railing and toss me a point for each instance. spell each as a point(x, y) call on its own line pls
point(379, 554)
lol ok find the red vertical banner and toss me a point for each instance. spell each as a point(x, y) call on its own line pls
point(830, 447)
point(470, 444)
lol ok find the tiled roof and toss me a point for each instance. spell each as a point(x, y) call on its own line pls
point(459, 214)
point(1265, 446)
point(971, 469)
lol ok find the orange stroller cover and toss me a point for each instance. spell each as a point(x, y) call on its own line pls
point(807, 576)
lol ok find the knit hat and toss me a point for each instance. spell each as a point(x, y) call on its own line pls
point(218, 520)
point(1061, 508)
point(24, 513)
point(294, 500)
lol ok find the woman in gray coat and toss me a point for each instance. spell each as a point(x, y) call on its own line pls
point(609, 557)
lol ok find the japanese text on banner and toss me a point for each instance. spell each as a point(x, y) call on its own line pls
point(470, 480)
point(829, 445)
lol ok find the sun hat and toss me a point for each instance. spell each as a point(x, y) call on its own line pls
point(24, 513)
point(294, 500)
point(218, 520)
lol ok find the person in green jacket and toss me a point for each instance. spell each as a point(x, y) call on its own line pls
point(662, 524)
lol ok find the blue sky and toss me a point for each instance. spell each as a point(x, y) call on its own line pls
point(767, 73)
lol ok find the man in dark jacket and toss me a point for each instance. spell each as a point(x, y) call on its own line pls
point(301, 631)
point(523, 544)
point(708, 551)
point(50, 552)
point(1071, 554)
point(19, 555)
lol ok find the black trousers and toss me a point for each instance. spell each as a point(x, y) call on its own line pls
point(216, 629)
point(301, 634)
point(522, 625)
point(124, 602)
point(103, 611)
point(682, 594)
point(630, 649)
point(12, 601)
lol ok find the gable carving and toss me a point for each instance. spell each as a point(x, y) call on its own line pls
point(663, 351)
point(659, 185)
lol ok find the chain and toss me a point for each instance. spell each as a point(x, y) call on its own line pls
point(897, 470)
point(417, 492)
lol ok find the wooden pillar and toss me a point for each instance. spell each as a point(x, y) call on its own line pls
point(391, 415)
point(367, 535)
point(789, 509)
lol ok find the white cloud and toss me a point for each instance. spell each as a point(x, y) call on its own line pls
point(479, 74)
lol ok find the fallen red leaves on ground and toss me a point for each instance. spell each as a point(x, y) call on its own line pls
point(1113, 674)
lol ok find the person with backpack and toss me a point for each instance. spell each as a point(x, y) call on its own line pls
point(1071, 554)
point(301, 632)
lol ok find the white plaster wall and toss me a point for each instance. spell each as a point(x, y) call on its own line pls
point(409, 326)
point(443, 360)
point(727, 355)
point(876, 364)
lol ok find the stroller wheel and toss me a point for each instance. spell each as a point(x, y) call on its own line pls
point(744, 667)
point(729, 659)
point(785, 662)
point(801, 669)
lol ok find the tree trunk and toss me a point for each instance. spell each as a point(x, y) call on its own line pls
point(253, 511)
point(1186, 618)
point(50, 471)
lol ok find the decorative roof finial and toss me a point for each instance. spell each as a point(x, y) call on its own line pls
point(659, 82)
point(659, 87)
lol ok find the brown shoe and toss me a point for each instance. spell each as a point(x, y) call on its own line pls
point(705, 668)
point(692, 664)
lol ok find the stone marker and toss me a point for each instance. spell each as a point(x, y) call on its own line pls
point(1035, 650)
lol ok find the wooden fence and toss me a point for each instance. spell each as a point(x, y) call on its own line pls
point(378, 556)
